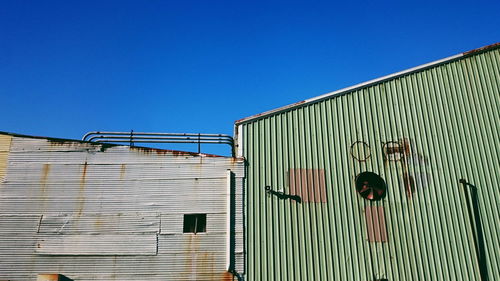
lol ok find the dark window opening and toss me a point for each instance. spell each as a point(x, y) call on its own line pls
point(194, 223)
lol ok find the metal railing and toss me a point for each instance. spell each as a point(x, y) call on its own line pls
point(144, 137)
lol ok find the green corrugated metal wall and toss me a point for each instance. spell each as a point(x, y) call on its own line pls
point(449, 115)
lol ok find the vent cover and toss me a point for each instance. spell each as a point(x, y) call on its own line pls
point(370, 186)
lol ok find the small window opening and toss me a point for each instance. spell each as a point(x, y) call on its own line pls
point(194, 223)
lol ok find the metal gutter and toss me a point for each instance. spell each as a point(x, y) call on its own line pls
point(366, 84)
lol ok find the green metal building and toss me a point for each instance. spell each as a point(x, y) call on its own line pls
point(394, 179)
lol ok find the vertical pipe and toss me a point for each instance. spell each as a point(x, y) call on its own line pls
point(199, 143)
point(228, 220)
point(131, 137)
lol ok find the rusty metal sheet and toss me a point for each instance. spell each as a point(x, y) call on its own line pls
point(375, 224)
point(309, 184)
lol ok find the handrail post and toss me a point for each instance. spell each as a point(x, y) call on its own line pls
point(199, 143)
point(131, 137)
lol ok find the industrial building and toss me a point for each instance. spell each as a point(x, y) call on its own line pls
point(365, 183)
point(397, 178)
point(95, 211)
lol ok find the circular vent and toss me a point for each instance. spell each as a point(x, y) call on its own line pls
point(370, 186)
point(360, 151)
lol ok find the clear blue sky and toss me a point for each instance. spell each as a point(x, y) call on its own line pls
point(69, 67)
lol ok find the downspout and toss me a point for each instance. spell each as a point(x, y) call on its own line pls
point(230, 224)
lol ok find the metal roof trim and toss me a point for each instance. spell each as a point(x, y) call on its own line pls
point(367, 83)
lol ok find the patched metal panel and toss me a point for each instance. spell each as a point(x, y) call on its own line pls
point(97, 245)
point(421, 131)
point(100, 223)
point(19, 224)
point(308, 184)
point(375, 224)
point(103, 212)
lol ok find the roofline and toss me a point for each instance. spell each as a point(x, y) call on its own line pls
point(47, 138)
point(107, 145)
point(367, 83)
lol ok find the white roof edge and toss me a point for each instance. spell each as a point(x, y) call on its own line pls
point(383, 78)
point(364, 84)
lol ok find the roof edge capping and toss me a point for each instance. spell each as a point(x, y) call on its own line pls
point(367, 83)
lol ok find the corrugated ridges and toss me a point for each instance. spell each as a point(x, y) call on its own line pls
point(448, 115)
point(94, 212)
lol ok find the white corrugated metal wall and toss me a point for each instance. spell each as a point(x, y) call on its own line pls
point(100, 212)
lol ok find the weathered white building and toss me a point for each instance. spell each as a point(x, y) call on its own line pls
point(93, 211)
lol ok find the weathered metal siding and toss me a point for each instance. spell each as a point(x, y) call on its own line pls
point(447, 119)
point(101, 212)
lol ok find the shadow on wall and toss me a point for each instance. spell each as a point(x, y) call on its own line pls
point(476, 226)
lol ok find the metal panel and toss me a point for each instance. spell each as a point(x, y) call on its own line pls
point(375, 224)
point(103, 212)
point(97, 245)
point(100, 223)
point(439, 123)
point(4, 154)
point(308, 184)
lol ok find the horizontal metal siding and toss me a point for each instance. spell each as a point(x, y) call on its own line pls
point(94, 212)
point(450, 116)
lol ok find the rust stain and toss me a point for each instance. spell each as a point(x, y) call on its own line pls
point(205, 263)
point(392, 151)
point(149, 150)
point(77, 143)
point(60, 142)
point(98, 223)
point(409, 184)
point(84, 174)
point(405, 146)
point(47, 277)
point(191, 250)
point(81, 191)
point(43, 186)
point(43, 180)
point(122, 171)
point(227, 276)
point(396, 150)
point(482, 49)
point(52, 277)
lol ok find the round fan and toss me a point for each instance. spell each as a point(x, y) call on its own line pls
point(370, 186)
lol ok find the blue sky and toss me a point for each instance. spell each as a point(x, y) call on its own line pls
point(69, 67)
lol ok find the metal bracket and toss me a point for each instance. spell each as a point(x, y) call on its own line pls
point(281, 194)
